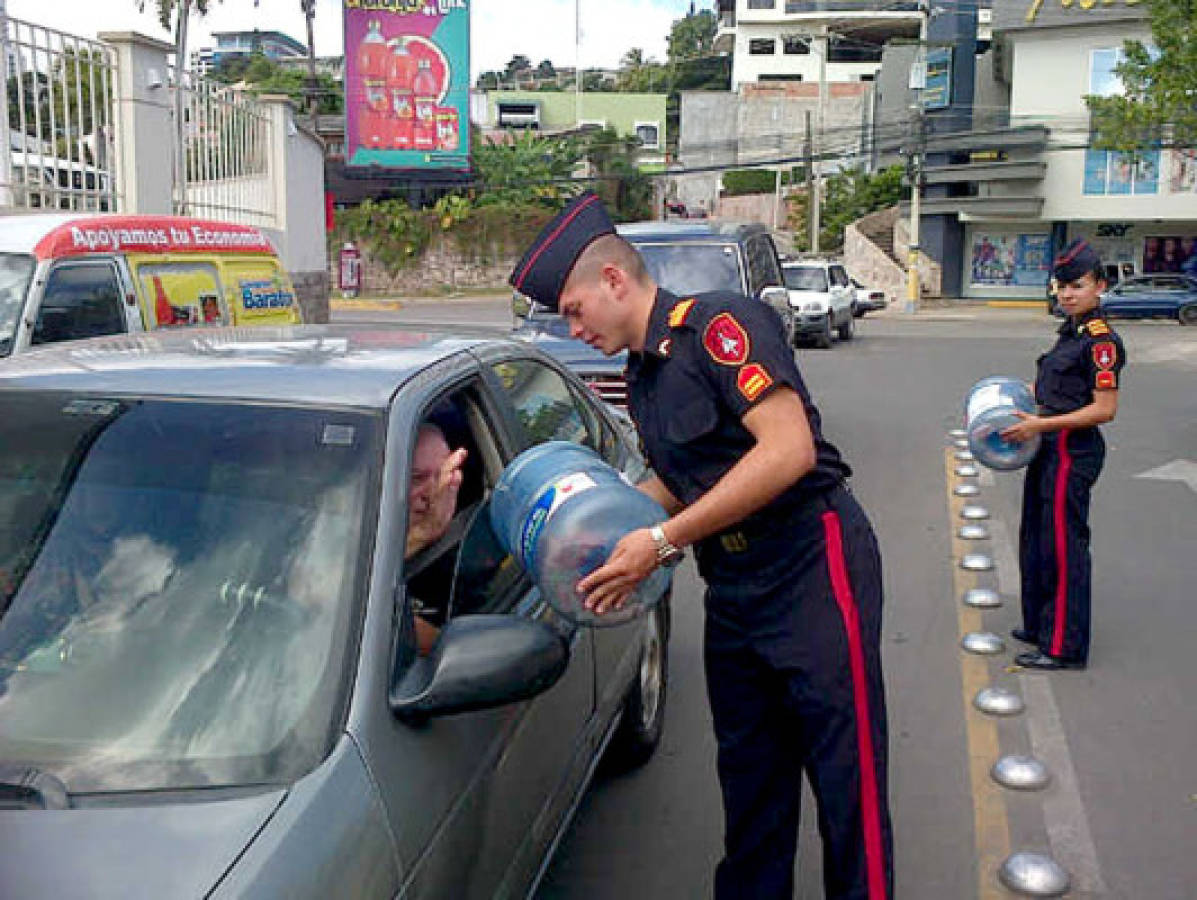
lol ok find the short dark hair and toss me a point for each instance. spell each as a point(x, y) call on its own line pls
point(610, 248)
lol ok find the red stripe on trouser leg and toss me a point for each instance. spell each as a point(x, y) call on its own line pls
point(870, 805)
point(1060, 517)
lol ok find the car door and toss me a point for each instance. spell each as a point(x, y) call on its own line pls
point(841, 293)
point(473, 799)
point(81, 299)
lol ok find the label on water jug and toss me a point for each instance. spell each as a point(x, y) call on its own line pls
point(986, 397)
point(544, 507)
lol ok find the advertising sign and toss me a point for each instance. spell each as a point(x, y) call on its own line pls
point(937, 90)
point(407, 83)
point(1007, 260)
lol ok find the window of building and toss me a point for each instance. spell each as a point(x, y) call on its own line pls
point(795, 45)
point(762, 47)
point(649, 134)
point(1108, 172)
point(762, 4)
point(781, 76)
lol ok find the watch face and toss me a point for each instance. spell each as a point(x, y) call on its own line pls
point(670, 556)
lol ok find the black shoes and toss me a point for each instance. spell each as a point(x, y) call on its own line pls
point(1021, 634)
point(1037, 659)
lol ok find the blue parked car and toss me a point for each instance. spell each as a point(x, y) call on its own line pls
point(1160, 296)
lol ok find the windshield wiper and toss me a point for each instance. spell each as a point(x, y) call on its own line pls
point(24, 787)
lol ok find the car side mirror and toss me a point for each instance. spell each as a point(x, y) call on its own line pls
point(775, 296)
point(480, 662)
point(519, 306)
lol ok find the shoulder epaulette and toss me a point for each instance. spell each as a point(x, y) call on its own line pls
point(681, 309)
point(1097, 327)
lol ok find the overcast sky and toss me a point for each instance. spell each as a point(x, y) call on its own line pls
point(539, 29)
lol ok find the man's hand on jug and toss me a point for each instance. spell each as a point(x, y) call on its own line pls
point(608, 587)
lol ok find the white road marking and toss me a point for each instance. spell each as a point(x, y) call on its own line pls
point(1063, 810)
point(1183, 470)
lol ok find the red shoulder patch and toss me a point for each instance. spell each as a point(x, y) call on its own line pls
point(1106, 380)
point(726, 340)
point(1105, 354)
point(753, 380)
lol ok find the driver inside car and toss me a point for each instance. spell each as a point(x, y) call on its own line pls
point(436, 479)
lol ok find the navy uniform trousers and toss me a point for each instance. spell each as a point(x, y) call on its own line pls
point(792, 653)
point(1054, 541)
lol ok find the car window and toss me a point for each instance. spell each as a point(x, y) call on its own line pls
point(1168, 283)
point(16, 269)
point(545, 405)
point(182, 293)
point(839, 277)
point(81, 300)
point(762, 264)
point(178, 583)
point(693, 267)
point(806, 278)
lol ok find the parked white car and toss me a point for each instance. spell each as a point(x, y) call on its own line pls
point(867, 299)
point(822, 299)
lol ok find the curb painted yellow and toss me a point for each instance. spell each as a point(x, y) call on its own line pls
point(1017, 304)
point(365, 305)
point(991, 827)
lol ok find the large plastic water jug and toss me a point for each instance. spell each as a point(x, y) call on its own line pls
point(560, 510)
point(990, 407)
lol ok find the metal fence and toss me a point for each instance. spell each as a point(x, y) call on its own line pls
point(56, 141)
point(223, 155)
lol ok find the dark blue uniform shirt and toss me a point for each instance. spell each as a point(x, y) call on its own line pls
point(1088, 356)
point(708, 360)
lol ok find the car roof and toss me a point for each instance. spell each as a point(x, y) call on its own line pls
point(705, 230)
point(54, 234)
point(319, 365)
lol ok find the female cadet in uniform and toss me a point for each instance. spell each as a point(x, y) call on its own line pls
point(1077, 389)
point(793, 605)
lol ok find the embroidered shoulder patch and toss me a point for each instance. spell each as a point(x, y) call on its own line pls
point(677, 315)
point(1098, 327)
point(726, 340)
point(1106, 379)
point(1105, 354)
point(752, 380)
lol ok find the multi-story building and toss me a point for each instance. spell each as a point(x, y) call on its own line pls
point(1007, 190)
point(273, 44)
point(802, 40)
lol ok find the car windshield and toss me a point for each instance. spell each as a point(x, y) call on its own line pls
point(15, 271)
point(805, 278)
point(691, 268)
point(178, 581)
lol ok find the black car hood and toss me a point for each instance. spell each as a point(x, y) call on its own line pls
point(160, 849)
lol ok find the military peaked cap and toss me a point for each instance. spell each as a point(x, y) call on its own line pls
point(542, 272)
point(1077, 259)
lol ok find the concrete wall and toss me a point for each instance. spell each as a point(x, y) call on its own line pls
point(441, 266)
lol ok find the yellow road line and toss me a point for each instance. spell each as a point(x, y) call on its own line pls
point(991, 829)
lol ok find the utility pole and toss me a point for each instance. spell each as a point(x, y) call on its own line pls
point(577, 64)
point(6, 146)
point(309, 13)
point(812, 222)
point(915, 163)
point(816, 195)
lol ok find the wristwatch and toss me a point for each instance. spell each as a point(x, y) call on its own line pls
point(667, 554)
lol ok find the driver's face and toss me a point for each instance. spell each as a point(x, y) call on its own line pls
point(431, 453)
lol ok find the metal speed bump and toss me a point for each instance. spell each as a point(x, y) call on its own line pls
point(966, 490)
point(1020, 773)
point(976, 562)
point(1034, 875)
point(983, 643)
point(965, 455)
point(997, 701)
point(957, 433)
point(974, 513)
point(960, 444)
point(972, 532)
point(967, 471)
point(982, 598)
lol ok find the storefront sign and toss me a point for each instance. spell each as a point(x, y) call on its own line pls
point(937, 92)
point(407, 83)
point(1036, 6)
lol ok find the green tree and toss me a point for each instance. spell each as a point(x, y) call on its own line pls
point(531, 169)
point(847, 195)
point(627, 192)
point(692, 36)
point(519, 66)
point(488, 81)
point(1159, 101)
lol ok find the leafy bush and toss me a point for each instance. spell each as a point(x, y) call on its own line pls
point(847, 195)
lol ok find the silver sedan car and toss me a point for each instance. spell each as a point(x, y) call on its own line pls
point(210, 684)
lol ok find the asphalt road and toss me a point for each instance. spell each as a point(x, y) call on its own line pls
point(1118, 738)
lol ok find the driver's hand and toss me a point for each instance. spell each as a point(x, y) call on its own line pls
point(427, 526)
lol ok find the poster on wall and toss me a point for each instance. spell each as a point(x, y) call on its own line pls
point(937, 90)
point(1184, 172)
point(1170, 253)
point(1009, 260)
point(407, 83)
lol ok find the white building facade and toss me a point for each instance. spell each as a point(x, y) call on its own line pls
point(1141, 215)
point(786, 40)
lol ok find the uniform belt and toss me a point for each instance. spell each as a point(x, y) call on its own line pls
point(741, 538)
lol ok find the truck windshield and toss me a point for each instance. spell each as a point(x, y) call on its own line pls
point(806, 278)
point(16, 269)
point(690, 267)
point(178, 586)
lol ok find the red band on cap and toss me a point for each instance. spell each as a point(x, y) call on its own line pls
point(544, 245)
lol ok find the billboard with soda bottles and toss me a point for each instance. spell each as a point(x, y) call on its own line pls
point(407, 83)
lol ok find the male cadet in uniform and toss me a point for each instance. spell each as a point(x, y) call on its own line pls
point(793, 604)
point(1076, 388)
